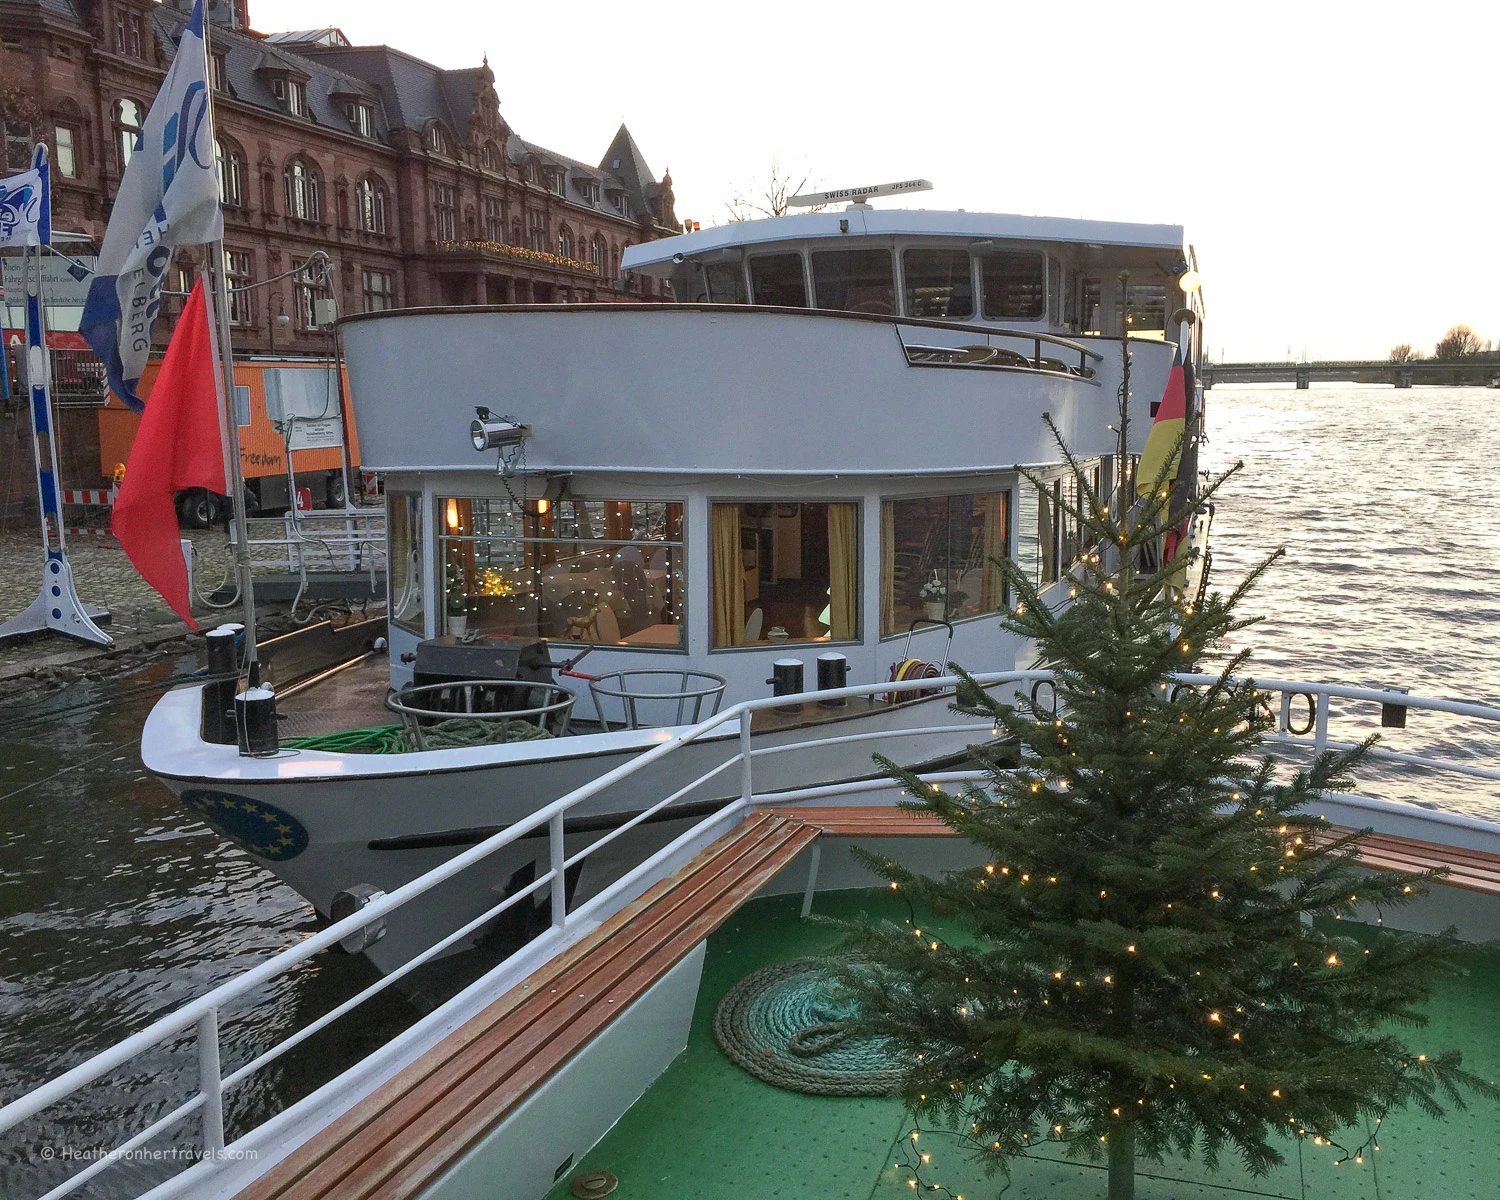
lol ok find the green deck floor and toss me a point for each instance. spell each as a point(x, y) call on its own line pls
point(708, 1131)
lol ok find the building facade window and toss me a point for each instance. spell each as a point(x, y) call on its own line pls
point(603, 571)
point(565, 242)
point(437, 140)
point(218, 79)
point(128, 34)
point(596, 252)
point(231, 175)
point(444, 212)
point(304, 192)
point(494, 220)
point(515, 231)
point(489, 157)
point(127, 129)
point(788, 569)
point(66, 157)
point(379, 290)
point(938, 558)
point(371, 201)
point(292, 95)
point(536, 231)
point(362, 117)
point(239, 275)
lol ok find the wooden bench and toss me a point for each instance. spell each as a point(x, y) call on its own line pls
point(1473, 870)
point(408, 1132)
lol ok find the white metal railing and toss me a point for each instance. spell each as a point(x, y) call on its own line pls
point(202, 1016)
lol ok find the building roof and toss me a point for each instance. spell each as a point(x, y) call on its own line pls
point(252, 63)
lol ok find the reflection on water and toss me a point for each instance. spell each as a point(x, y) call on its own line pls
point(1386, 505)
point(116, 907)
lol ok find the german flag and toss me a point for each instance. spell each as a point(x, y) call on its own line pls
point(1162, 448)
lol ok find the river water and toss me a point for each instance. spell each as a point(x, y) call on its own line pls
point(115, 906)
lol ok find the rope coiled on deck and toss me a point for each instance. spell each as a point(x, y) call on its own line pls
point(455, 733)
point(784, 1025)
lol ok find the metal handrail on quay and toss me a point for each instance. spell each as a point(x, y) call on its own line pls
point(202, 1016)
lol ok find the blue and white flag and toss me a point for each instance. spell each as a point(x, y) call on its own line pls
point(169, 196)
point(26, 205)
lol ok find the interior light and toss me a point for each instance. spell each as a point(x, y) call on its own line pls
point(1189, 281)
point(452, 516)
point(543, 507)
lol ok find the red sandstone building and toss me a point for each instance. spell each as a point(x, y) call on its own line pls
point(405, 175)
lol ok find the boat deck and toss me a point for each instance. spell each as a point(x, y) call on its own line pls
point(351, 698)
point(707, 1130)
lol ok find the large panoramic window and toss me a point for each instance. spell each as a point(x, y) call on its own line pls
point(1015, 285)
point(777, 279)
point(861, 281)
point(785, 573)
point(939, 284)
point(404, 541)
point(938, 558)
point(726, 282)
point(1146, 309)
point(605, 571)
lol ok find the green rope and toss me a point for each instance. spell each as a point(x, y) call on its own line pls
point(782, 1024)
point(452, 734)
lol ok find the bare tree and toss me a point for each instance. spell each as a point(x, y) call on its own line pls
point(1459, 342)
point(1404, 353)
point(769, 197)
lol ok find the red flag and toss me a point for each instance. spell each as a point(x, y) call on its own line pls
point(177, 447)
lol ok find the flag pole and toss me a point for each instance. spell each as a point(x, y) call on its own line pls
point(218, 332)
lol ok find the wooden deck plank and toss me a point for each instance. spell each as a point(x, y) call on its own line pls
point(536, 1027)
point(472, 1100)
point(353, 1122)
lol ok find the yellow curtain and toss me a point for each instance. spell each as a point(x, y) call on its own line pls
point(843, 571)
point(887, 567)
point(991, 581)
point(729, 576)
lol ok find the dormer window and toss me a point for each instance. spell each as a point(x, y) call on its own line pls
point(590, 190)
point(362, 117)
point(291, 94)
point(557, 184)
point(129, 38)
point(532, 174)
point(437, 140)
point(217, 73)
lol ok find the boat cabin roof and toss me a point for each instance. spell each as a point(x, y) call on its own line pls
point(658, 257)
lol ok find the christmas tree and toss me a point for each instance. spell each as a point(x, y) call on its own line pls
point(1147, 964)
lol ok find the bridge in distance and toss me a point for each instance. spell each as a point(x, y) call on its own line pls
point(1447, 372)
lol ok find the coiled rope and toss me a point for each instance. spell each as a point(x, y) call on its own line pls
point(783, 1024)
point(452, 734)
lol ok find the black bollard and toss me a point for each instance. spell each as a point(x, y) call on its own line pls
point(255, 714)
point(786, 680)
point(218, 694)
point(833, 672)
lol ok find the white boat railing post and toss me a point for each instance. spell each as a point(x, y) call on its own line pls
point(1320, 733)
point(559, 877)
point(211, 1084)
point(747, 788)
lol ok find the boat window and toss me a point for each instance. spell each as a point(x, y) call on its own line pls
point(1146, 308)
point(404, 556)
point(605, 571)
point(861, 281)
point(777, 279)
point(939, 284)
point(726, 282)
point(785, 573)
point(1048, 531)
point(938, 558)
point(1014, 285)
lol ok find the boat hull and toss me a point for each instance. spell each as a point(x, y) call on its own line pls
point(325, 823)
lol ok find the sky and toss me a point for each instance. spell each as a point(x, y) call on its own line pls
point(1332, 163)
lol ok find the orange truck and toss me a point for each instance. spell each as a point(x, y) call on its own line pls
point(277, 403)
